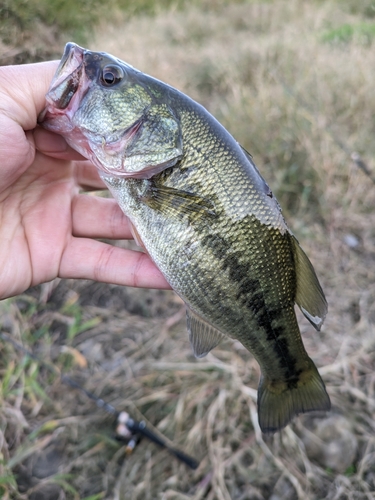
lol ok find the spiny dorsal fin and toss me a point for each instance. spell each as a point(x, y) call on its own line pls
point(310, 296)
point(203, 337)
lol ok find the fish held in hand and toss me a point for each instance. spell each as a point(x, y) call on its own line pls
point(205, 215)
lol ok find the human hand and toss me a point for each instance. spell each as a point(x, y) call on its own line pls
point(47, 228)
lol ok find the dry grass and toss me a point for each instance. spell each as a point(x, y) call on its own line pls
point(293, 93)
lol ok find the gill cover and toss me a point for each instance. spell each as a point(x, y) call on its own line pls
point(150, 145)
point(131, 130)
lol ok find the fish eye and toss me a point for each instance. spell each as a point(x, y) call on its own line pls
point(111, 75)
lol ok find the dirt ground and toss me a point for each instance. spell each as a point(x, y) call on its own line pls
point(293, 82)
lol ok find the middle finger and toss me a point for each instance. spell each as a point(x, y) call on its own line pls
point(96, 217)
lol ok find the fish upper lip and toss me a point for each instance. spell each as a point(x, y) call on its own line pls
point(67, 77)
point(66, 82)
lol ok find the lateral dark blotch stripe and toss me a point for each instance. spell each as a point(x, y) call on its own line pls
point(251, 295)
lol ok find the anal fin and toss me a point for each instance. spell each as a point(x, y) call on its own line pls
point(203, 336)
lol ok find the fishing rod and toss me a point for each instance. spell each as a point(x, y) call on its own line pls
point(128, 429)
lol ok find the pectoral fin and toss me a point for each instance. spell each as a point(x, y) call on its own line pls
point(310, 296)
point(203, 337)
point(176, 202)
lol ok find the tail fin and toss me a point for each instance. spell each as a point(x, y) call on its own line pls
point(279, 402)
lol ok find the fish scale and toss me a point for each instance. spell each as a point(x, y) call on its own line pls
point(205, 215)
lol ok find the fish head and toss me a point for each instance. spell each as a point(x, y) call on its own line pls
point(113, 114)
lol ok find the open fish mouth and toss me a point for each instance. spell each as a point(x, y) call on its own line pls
point(67, 77)
point(69, 82)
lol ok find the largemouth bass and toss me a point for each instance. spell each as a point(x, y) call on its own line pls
point(205, 215)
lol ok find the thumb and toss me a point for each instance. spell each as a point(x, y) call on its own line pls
point(22, 97)
point(23, 89)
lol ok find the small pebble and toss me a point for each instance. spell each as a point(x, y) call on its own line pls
point(351, 240)
point(332, 443)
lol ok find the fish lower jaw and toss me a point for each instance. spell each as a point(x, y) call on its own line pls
point(61, 124)
point(121, 166)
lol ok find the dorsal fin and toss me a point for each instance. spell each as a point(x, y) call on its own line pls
point(203, 337)
point(310, 296)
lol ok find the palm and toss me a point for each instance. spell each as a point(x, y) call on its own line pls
point(36, 224)
point(47, 228)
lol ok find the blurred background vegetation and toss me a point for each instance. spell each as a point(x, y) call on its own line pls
point(293, 82)
point(36, 28)
point(20, 19)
